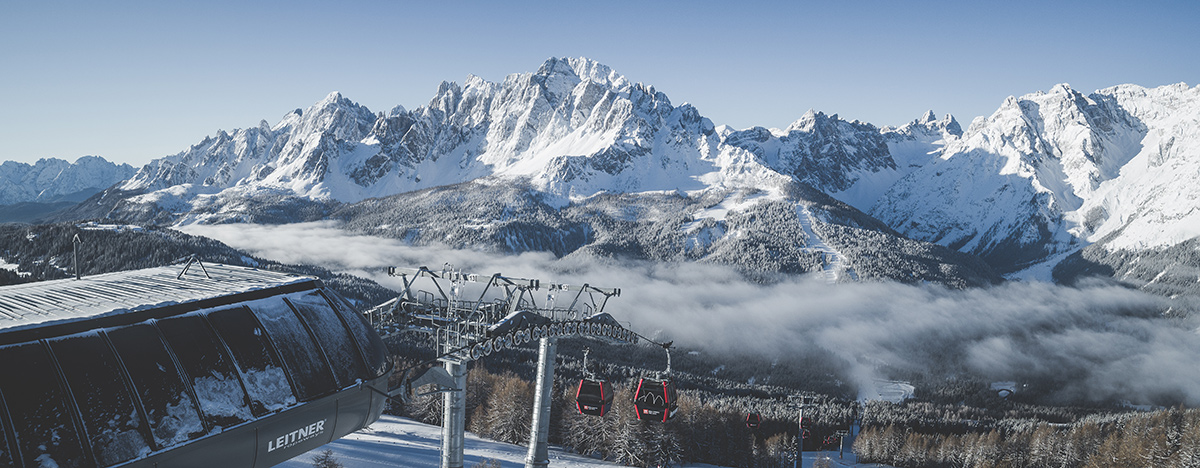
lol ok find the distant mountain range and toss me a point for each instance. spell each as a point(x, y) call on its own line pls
point(578, 160)
point(31, 191)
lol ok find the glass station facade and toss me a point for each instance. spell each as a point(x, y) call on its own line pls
point(112, 395)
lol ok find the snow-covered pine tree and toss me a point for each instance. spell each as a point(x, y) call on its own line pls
point(326, 459)
point(509, 410)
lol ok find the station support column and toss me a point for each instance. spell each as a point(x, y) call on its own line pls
point(539, 433)
point(454, 417)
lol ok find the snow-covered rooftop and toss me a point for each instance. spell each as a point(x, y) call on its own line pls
point(37, 304)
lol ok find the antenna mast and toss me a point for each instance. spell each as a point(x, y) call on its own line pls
point(75, 250)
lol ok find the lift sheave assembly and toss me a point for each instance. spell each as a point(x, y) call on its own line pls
point(504, 315)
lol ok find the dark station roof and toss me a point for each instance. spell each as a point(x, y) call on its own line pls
point(51, 303)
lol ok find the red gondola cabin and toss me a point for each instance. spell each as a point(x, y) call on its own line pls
point(594, 397)
point(655, 400)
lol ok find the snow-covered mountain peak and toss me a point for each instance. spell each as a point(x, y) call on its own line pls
point(950, 125)
point(927, 125)
point(54, 180)
point(805, 122)
point(585, 69)
point(812, 120)
point(333, 98)
point(1044, 173)
point(1063, 88)
point(572, 127)
point(1163, 103)
point(342, 118)
point(1051, 171)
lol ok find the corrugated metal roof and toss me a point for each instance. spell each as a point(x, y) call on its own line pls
point(37, 304)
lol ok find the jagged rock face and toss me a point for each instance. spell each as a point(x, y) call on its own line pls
point(853, 161)
point(914, 144)
point(297, 153)
point(823, 151)
point(1043, 174)
point(51, 180)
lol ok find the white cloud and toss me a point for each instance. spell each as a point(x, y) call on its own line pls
point(1098, 341)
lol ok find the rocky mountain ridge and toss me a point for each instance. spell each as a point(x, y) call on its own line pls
point(53, 180)
point(1044, 176)
point(1050, 173)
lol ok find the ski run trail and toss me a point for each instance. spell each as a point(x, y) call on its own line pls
point(833, 263)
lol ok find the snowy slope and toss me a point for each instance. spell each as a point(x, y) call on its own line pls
point(1050, 172)
point(394, 441)
point(1153, 200)
point(50, 180)
point(910, 147)
point(761, 233)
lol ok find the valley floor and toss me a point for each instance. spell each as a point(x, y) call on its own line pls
point(393, 441)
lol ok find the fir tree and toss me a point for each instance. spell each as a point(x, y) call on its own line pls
point(326, 460)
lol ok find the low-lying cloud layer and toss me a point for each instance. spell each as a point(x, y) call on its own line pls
point(1096, 341)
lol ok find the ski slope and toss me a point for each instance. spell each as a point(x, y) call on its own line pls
point(394, 441)
point(833, 263)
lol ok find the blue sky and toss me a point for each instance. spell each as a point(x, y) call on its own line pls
point(133, 81)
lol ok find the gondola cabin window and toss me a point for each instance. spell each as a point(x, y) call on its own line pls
point(264, 377)
point(38, 405)
point(300, 354)
point(170, 409)
point(5, 452)
point(369, 343)
point(344, 357)
point(223, 401)
point(110, 420)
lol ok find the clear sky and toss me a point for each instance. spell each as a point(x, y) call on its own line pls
point(133, 81)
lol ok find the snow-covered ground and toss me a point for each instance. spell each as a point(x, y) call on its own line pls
point(13, 267)
point(94, 226)
point(893, 391)
point(393, 441)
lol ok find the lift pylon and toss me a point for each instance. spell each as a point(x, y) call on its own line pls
point(505, 314)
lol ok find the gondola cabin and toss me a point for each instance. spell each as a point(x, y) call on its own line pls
point(594, 397)
point(655, 400)
point(221, 367)
point(753, 420)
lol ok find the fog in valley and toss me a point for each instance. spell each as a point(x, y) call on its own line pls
point(1090, 343)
